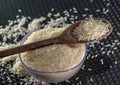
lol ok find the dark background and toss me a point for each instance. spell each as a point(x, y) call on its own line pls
point(106, 74)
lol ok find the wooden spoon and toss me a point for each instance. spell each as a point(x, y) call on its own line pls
point(66, 37)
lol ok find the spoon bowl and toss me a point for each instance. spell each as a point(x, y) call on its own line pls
point(68, 36)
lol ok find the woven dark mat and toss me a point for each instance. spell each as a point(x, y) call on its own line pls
point(102, 66)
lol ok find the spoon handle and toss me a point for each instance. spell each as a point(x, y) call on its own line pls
point(30, 46)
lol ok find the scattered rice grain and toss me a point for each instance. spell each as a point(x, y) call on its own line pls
point(84, 15)
point(86, 9)
point(116, 62)
point(67, 81)
point(80, 82)
point(97, 10)
point(91, 79)
point(19, 10)
point(89, 69)
point(49, 14)
point(108, 4)
point(108, 53)
point(52, 9)
point(76, 78)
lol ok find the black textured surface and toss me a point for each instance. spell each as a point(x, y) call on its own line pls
point(107, 73)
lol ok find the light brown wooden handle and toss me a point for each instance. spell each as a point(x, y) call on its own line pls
point(29, 46)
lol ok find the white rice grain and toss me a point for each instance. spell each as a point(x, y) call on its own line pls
point(19, 10)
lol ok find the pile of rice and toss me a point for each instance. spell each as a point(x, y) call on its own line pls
point(91, 29)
